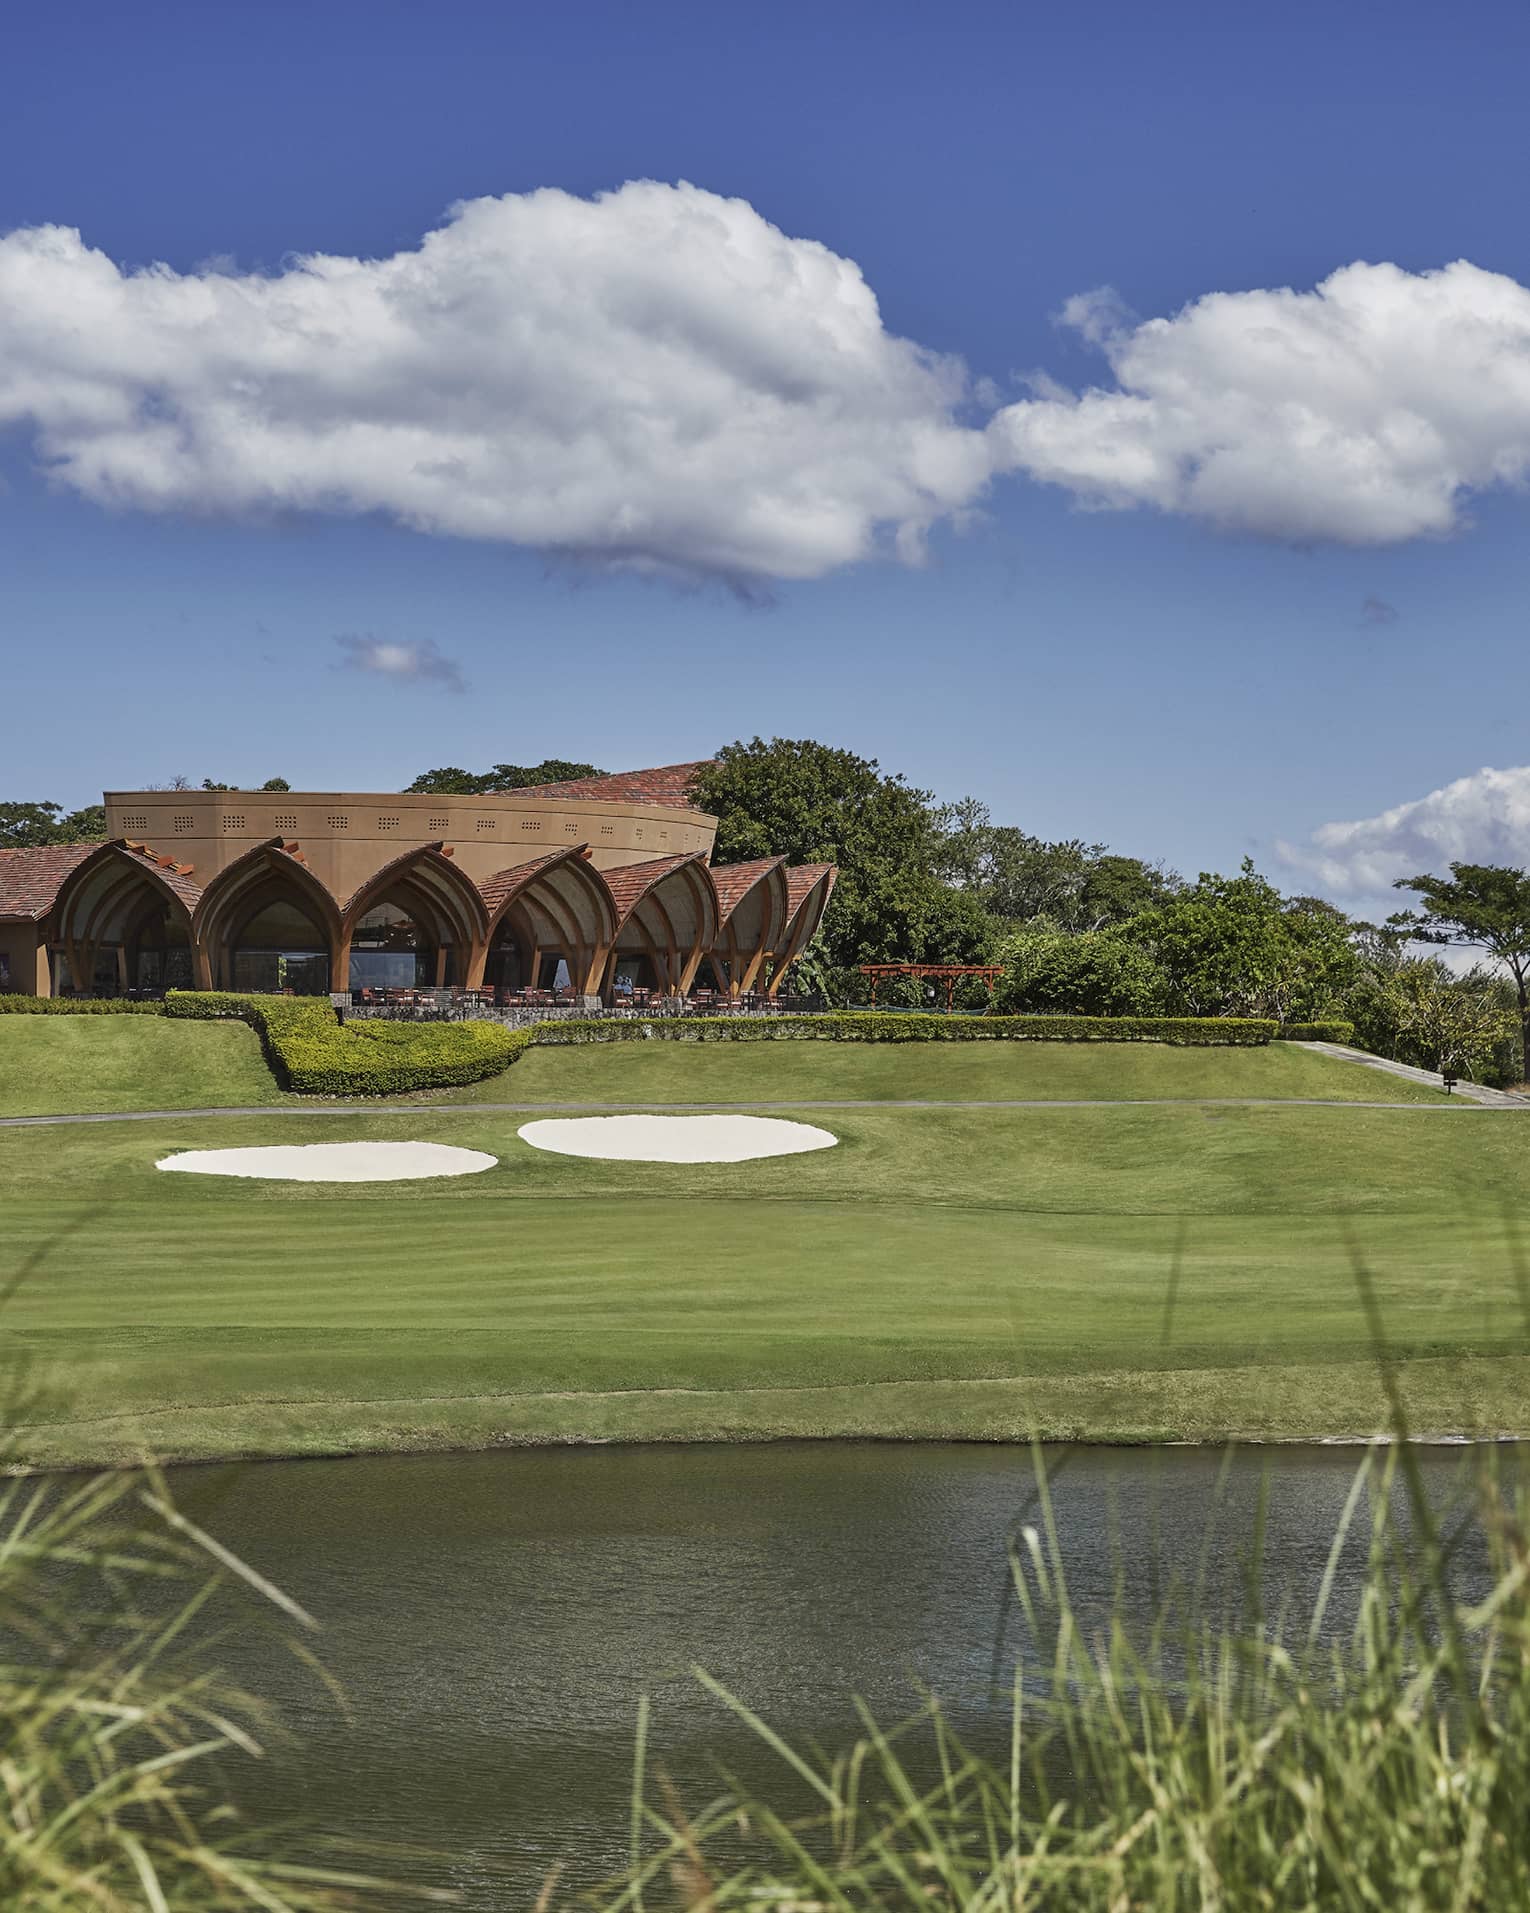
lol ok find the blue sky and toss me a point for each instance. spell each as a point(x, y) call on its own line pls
point(1180, 684)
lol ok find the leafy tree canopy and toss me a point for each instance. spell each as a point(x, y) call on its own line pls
point(812, 803)
point(1484, 906)
point(1079, 973)
point(24, 825)
point(1233, 946)
point(454, 782)
point(1017, 877)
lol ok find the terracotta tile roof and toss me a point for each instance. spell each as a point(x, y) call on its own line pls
point(400, 862)
point(630, 883)
point(180, 879)
point(30, 879)
point(800, 881)
point(735, 881)
point(669, 784)
point(505, 883)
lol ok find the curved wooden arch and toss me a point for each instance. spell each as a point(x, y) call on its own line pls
point(100, 900)
point(261, 875)
point(564, 903)
point(754, 905)
point(809, 888)
point(668, 911)
point(430, 874)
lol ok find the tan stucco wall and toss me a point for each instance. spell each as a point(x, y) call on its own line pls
point(347, 836)
point(26, 958)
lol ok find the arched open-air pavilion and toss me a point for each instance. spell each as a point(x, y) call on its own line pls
point(600, 890)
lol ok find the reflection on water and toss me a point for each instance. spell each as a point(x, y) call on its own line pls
point(495, 1618)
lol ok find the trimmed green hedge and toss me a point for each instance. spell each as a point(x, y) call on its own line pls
point(869, 1026)
point(1333, 1031)
point(312, 1052)
point(75, 1006)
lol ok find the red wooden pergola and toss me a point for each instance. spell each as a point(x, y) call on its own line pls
point(949, 973)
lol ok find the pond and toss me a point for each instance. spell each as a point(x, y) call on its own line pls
point(494, 1619)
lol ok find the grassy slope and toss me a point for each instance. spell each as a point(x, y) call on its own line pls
point(659, 1072)
point(77, 1065)
point(942, 1272)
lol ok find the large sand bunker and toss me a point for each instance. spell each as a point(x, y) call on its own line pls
point(333, 1162)
point(675, 1138)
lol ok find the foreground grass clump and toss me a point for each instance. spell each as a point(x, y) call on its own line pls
point(114, 1718)
point(1295, 1762)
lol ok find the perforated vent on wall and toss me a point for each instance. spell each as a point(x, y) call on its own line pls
point(531, 823)
point(387, 823)
point(183, 822)
point(233, 823)
point(572, 829)
point(608, 830)
point(487, 823)
point(663, 836)
point(339, 823)
point(438, 823)
point(139, 821)
point(639, 833)
point(285, 820)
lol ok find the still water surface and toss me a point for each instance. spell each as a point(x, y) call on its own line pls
point(494, 1619)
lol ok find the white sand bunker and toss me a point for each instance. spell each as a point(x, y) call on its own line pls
point(334, 1162)
point(675, 1138)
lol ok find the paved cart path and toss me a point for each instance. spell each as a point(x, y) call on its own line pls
point(697, 1109)
point(1468, 1096)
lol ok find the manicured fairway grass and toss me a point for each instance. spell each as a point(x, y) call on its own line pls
point(1104, 1272)
point(82, 1064)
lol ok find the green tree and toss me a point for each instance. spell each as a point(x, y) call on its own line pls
point(1076, 973)
point(1017, 877)
point(1232, 946)
point(276, 783)
point(1450, 1022)
point(82, 826)
point(450, 781)
point(1482, 907)
point(23, 826)
point(813, 803)
point(455, 782)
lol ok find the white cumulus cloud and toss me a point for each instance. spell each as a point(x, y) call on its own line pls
point(654, 378)
point(1483, 818)
point(659, 379)
point(1365, 412)
point(420, 661)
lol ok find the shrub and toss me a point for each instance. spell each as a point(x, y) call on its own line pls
point(870, 1026)
point(312, 1052)
point(1333, 1031)
point(972, 995)
point(15, 1005)
point(896, 992)
point(1087, 973)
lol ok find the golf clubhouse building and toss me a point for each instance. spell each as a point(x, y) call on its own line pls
point(588, 890)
